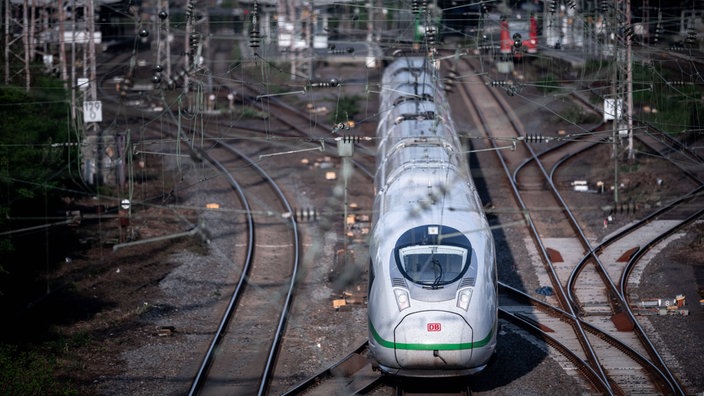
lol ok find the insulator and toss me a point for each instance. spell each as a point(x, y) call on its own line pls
point(534, 138)
point(496, 83)
point(604, 6)
point(254, 38)
point(163, 15)
point(308, 214)
point(415, 7)
point(691, 37)
point(572, 4)
point(351, 139)
point(430, 36)
point(326, 84)
point(194, 39)
point(553, 6)
point(189, 9)
point(450, 81)
point(348, 50)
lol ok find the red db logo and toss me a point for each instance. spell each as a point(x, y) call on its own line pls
point(434, 327)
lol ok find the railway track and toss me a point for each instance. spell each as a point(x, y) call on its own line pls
point(265, 255)
point(352, 375)
point(597, 344)
point(495, 122)
point(624, 364)
point(296, 134)
point(532, 180)
point(254, 322)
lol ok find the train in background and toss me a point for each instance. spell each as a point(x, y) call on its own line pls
point(432, 300)
point(509, 36)
point(519, 37)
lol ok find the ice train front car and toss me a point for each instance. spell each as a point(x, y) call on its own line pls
point(432, 304)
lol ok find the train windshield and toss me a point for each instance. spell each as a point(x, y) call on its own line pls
point(433, 265)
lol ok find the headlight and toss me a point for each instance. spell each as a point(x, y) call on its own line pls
point(463, 297)
point(402, 299)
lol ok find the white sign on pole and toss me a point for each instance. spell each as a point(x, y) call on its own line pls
point(92, 111)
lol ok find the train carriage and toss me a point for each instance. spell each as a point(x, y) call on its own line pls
point(432, 307)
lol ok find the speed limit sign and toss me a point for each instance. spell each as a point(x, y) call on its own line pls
point(92, 111)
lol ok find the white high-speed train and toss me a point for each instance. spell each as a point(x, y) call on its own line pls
point(432, 304)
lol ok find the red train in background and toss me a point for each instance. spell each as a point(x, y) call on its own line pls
point(517, 39)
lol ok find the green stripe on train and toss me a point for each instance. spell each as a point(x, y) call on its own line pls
point(429, 347)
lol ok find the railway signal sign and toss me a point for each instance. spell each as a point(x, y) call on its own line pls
point(92, 111)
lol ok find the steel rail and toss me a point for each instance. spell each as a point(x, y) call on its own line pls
point(556, 312)
point(637, 255)
point(201, 374)
point(276, 343)
point(591, 355)
point(592, 254)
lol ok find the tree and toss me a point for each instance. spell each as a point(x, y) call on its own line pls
point(36, 158)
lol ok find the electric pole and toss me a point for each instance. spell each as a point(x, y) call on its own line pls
point(12, 24)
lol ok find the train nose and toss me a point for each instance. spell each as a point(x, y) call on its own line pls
point(427, 340)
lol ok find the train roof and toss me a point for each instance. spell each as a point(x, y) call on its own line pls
point(430, 195)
